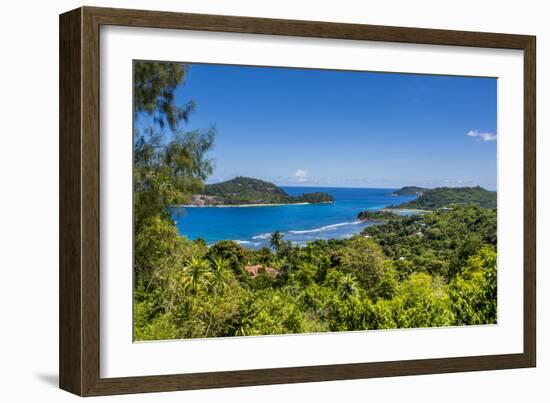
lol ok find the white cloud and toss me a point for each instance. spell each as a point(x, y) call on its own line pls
point(482, 136)
point(301, 175)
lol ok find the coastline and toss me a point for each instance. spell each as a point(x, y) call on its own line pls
point(243, 205)
point(330, 220)
point(404, 210)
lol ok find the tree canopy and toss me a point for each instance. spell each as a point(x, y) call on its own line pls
point(388, 277)
point(170, 164)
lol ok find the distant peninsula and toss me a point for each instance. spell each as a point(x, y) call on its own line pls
point(410, 191)
point(243, 191)
point(444, 197)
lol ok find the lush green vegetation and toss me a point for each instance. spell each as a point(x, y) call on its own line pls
point(438, 269)
point(447, 197)
point(167, 169)
point(242, 190)
point(376, 215)
point(390, 277)
point(410, 191)
point(439, 242)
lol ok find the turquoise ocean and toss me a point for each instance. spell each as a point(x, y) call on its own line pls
point(252, 226)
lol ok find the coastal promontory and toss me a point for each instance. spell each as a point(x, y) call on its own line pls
point(444, 197)
point(410, 191)
point(246, 191)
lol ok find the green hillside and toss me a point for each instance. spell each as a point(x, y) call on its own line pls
point(446, 197)
point(243, 190)
point(409, 191)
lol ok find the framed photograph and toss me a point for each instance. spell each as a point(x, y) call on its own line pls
point(248, 201)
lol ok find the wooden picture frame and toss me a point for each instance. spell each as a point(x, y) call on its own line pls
point(79, 348)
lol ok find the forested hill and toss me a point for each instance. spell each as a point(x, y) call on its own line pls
point(242, 190)
point(445, 197)
point(409, 190)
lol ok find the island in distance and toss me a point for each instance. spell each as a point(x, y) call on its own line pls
point(249, 191)
point(445, 197)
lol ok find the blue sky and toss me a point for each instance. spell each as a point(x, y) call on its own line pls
point(341, 128)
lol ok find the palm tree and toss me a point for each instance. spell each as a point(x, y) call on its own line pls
point(276, 240)
point(197, 275)
point(221, 273)
point(348, 286)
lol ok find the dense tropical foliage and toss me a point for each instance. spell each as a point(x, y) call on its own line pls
point(437, 269)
